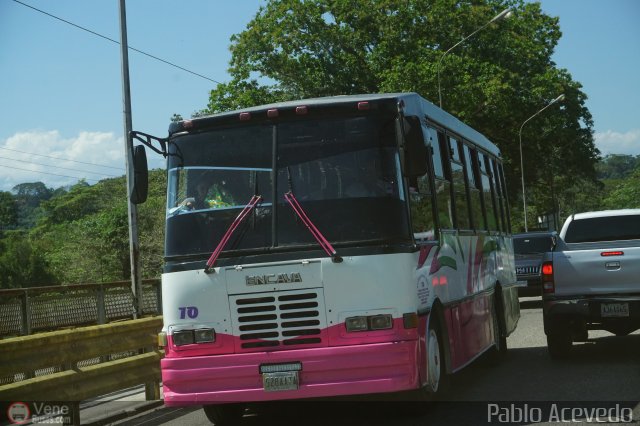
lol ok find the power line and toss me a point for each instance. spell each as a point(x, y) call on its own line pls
point(117, 42)
point(54, 174)
point(56, 167)
point(63, 159)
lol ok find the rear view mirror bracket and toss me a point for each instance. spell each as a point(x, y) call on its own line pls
point(148, 140)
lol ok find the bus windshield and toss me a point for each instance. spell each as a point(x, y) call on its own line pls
point(345, 173)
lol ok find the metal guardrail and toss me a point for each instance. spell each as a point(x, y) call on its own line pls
point(64, 352)
point(27, 310)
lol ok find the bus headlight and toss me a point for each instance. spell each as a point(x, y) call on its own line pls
point(205, 335)
point(357, 324)
point(369, 323)
point(380, 322)
point(182, 337)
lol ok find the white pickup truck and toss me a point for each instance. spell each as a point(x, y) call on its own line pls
point(591, 278)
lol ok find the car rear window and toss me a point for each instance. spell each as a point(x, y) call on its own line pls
point(610, 228)
point(530, 245)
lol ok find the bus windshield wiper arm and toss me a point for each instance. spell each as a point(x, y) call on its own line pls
point(237, 221)
point(324, 243)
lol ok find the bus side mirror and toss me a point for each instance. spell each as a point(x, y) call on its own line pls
point(139, 185)
point(415, 151)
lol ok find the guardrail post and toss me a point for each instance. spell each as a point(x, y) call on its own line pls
point(159, 296)
point(102, 312)
point(75, 413)
point(26, 313)
point(152, 391)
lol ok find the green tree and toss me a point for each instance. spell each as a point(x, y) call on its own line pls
point(28, 197)
point(22, 263)
point(617, 166)
point(8, 211)
point(494, 81)
point(627, 194)
point(82, 235)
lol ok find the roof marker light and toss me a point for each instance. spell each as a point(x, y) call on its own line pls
point(363, 106)
point(301, 110)
point(244, 116)
point(272, 113)
point(187, 124)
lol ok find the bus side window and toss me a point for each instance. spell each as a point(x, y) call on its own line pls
point(463, 219)
point(471, 163)
point(422, 199)
point(488, 193)
point(443, 183)
point(495, 180)
point(505, 199)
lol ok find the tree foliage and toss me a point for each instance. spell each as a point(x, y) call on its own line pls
point(82, 236)
point(626, 194)
point(493, 81)
point(8, 211)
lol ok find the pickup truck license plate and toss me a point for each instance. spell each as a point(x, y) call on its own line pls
point(614, 309)
point(280, 381)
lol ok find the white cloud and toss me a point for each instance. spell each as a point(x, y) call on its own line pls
point(48, 157)
point(611, 142)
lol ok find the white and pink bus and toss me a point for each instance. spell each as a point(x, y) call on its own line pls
point(336, 246)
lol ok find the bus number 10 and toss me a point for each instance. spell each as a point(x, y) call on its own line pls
point(188, 311)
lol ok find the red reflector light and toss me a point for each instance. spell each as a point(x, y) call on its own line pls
point(612, 253)
point(272, 113)
point(436, 281)
point(547, 269)
point(187, 124)
point(244, 116)
point(301, 110)
point(363, 106)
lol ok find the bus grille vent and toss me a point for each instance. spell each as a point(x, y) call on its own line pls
point(279, 320)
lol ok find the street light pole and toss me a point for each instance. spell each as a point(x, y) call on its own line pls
point(502, 15)
point(524, 199)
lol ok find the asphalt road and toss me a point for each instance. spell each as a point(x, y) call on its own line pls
point(602, 374)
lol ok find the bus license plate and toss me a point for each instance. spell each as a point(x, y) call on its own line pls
point(280, 381)
point(614, 309)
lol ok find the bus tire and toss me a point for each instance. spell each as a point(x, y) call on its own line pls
point(499, 351)
point(437, 377)
point(224, 414)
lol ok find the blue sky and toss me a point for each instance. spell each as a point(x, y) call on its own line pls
point(61, 87)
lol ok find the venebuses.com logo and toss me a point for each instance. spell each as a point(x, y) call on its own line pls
point(18, 413)
point(59, 413)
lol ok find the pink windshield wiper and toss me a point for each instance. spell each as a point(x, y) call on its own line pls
point(326, 246)
point(237, 221)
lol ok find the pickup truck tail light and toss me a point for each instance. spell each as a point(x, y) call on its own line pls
point(548, 285)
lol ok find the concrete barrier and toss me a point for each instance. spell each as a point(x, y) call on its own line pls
point(65, 349)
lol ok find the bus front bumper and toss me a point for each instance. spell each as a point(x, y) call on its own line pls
point(326, 372)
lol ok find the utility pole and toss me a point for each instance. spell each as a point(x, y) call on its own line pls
point(134, 246)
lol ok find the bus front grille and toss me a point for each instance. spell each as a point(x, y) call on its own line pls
point(279, 320)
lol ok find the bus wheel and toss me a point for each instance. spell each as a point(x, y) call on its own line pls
point(499, 350)
point(224, 414)
point(437, 378)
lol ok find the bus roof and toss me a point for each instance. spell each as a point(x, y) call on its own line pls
point(414, 105)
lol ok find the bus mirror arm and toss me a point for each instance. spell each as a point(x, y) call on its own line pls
point(148, 140)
